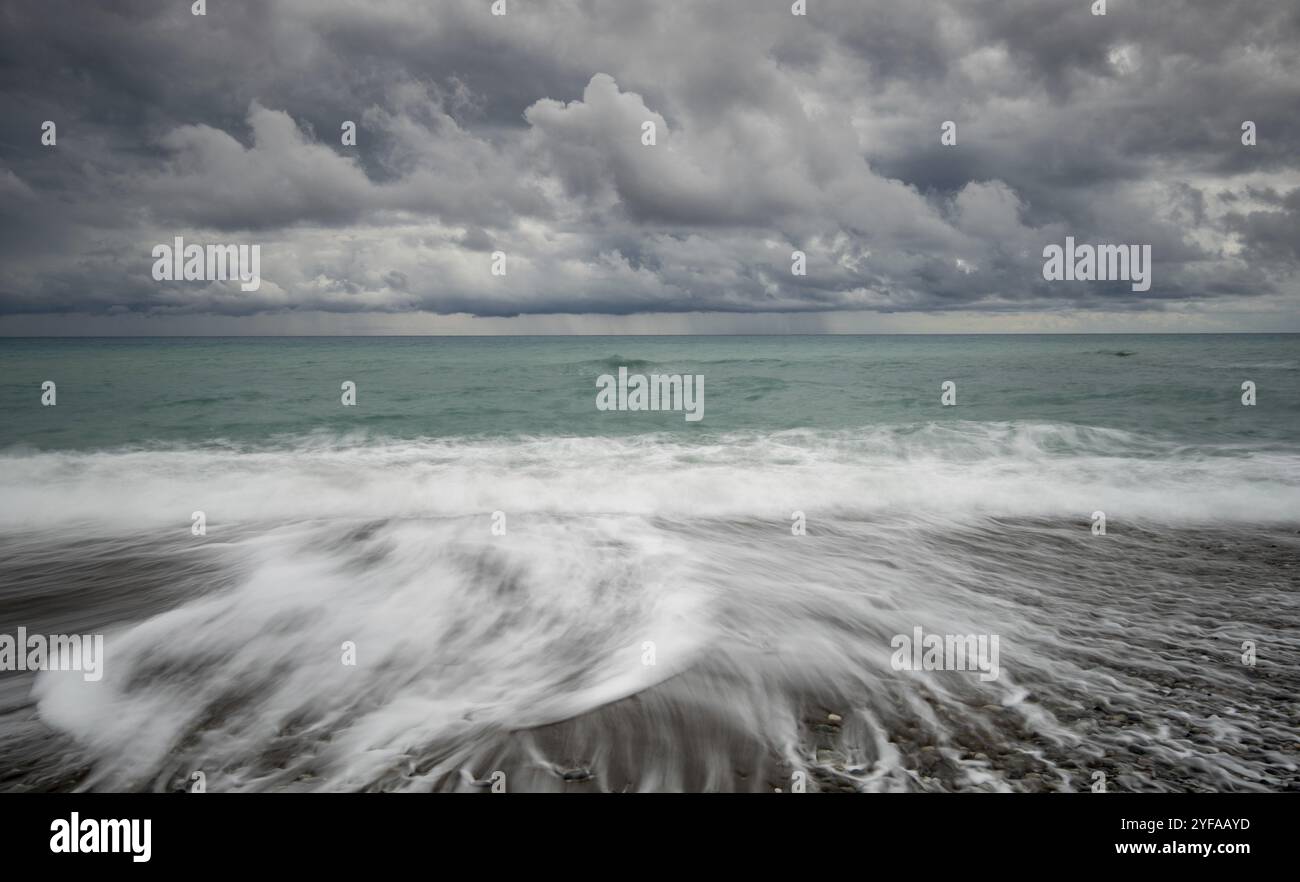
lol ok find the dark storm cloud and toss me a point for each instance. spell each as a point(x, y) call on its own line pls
point(522, 134)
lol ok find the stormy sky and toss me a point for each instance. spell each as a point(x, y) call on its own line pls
point(522, 133)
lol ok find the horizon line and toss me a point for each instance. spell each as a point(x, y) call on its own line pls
point(545, 335)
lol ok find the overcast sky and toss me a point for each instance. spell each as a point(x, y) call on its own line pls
point(523, 134)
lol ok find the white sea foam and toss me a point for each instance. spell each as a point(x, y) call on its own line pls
point(953, 471)
point(464, 637)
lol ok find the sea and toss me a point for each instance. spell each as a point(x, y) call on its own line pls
point(474, 579)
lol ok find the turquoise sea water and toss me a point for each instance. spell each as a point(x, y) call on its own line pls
point(622, 600)
point(114, 392)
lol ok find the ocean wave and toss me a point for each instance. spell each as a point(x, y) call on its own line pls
point(951, 470)
point(455, 634)
point(647, 619)
point(614, 362)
